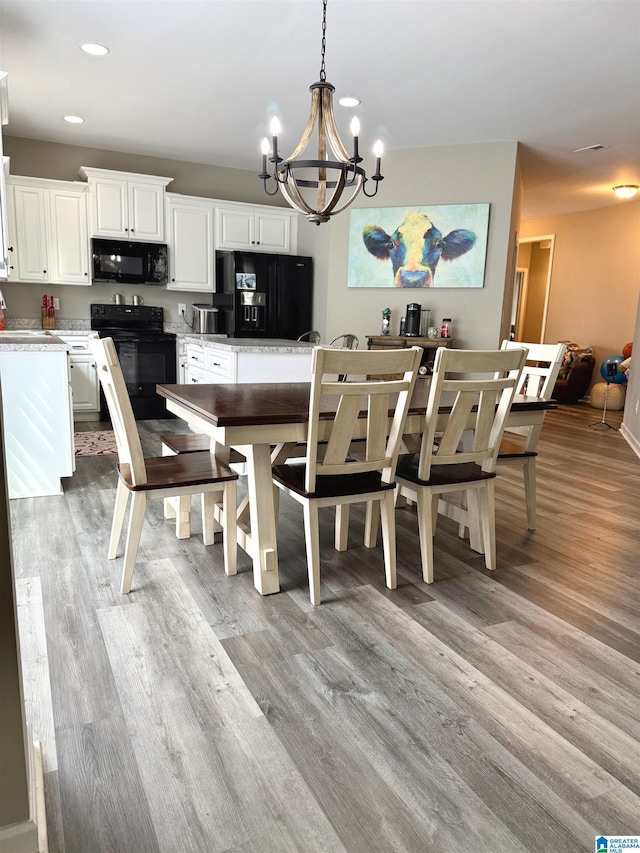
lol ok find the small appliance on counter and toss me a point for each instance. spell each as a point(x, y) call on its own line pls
point(412, 320)
point(204, 319)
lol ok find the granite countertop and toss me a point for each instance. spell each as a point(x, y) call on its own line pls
point(264, 345)
point(36, 340)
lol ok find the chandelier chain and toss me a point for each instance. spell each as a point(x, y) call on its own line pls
point(323, 73)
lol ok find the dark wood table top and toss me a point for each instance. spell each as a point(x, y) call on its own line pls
point(226, 405)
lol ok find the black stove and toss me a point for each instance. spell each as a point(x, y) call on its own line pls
point(147, 354)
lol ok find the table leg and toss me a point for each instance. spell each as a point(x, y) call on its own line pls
point(261, 542)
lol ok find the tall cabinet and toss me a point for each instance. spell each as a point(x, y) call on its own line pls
point(189, 222)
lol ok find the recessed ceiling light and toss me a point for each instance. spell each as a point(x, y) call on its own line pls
point(94, 49)
point(74, 119)
point(349, 101)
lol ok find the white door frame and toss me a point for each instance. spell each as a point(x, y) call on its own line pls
point(552, 239)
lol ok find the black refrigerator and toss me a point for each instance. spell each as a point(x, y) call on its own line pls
point(262, 295)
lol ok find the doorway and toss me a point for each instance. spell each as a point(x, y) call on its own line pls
point(531, 288)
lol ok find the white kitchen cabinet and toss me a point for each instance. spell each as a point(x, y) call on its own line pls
point(209, 362)
point(190, 238)
point(38, 423)
point(29, 233)
point(124, 205)
point(85, 385)
point(195, 370)
point(48, 231)
point(4, 171)
point(69, 242)
point(256, 228)
point(221, 365)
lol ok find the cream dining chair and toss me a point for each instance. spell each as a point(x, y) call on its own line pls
point(519, 444)
point(329, 475)
point(478, 386)
point(176, 476)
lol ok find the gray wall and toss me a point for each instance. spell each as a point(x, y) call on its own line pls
point(444, 175)
point(14, 790)
point(631, 423)
point(432, 176)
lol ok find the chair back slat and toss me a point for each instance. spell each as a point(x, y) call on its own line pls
point(376, 407)
point(539, 373)
point(479, 386)
point(120, 409)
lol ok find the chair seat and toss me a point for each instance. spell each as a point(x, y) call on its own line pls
point(292, 476)
point(513, 450)
point(441, 475)
point(188, 469)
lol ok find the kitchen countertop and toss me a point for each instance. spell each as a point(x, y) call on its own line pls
point(14, 340)
point(264, 345)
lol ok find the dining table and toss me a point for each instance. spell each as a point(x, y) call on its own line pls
point(265, 422)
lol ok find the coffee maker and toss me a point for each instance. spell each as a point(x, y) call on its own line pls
point(412, 320)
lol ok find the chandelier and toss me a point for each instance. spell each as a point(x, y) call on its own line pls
point(319, 188)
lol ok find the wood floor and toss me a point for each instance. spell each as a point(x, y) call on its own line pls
point(485, 712)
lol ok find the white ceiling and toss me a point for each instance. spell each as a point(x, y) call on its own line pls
point(195, 80)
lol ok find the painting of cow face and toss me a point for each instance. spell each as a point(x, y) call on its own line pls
point(417, 246)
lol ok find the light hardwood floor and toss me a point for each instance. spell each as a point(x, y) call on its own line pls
point(485, 712)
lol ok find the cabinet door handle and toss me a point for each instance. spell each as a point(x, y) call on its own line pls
point(9, 248)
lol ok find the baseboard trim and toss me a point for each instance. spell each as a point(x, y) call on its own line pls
point(29, 836)
point(631, 440)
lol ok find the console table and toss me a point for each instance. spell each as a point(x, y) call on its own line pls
point(429, 345)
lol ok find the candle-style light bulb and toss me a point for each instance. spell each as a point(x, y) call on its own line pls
point(265, 148)
point(378, 148)
point(355, 130)
point(275, 130)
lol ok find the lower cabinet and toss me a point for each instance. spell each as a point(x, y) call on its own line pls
point(85, 385)
point(207, 363)
point(38, 422)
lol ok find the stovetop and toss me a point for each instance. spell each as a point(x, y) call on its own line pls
point(127, 318)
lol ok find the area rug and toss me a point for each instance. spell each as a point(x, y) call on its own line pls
point(94, 443)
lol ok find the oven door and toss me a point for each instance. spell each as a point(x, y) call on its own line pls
point(146, 361)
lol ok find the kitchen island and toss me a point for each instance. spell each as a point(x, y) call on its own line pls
point(36, 411)
point(214, 359)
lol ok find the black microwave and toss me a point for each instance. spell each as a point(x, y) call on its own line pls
point(129, 263)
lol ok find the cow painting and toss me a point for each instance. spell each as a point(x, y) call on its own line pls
point(415, 248)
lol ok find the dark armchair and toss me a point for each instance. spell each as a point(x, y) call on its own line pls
point(575, 374)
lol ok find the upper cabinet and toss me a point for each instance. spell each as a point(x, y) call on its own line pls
point(4, 171)
point(123, 205)
point(48, 231)
point(256, 228)
point(190, 238)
